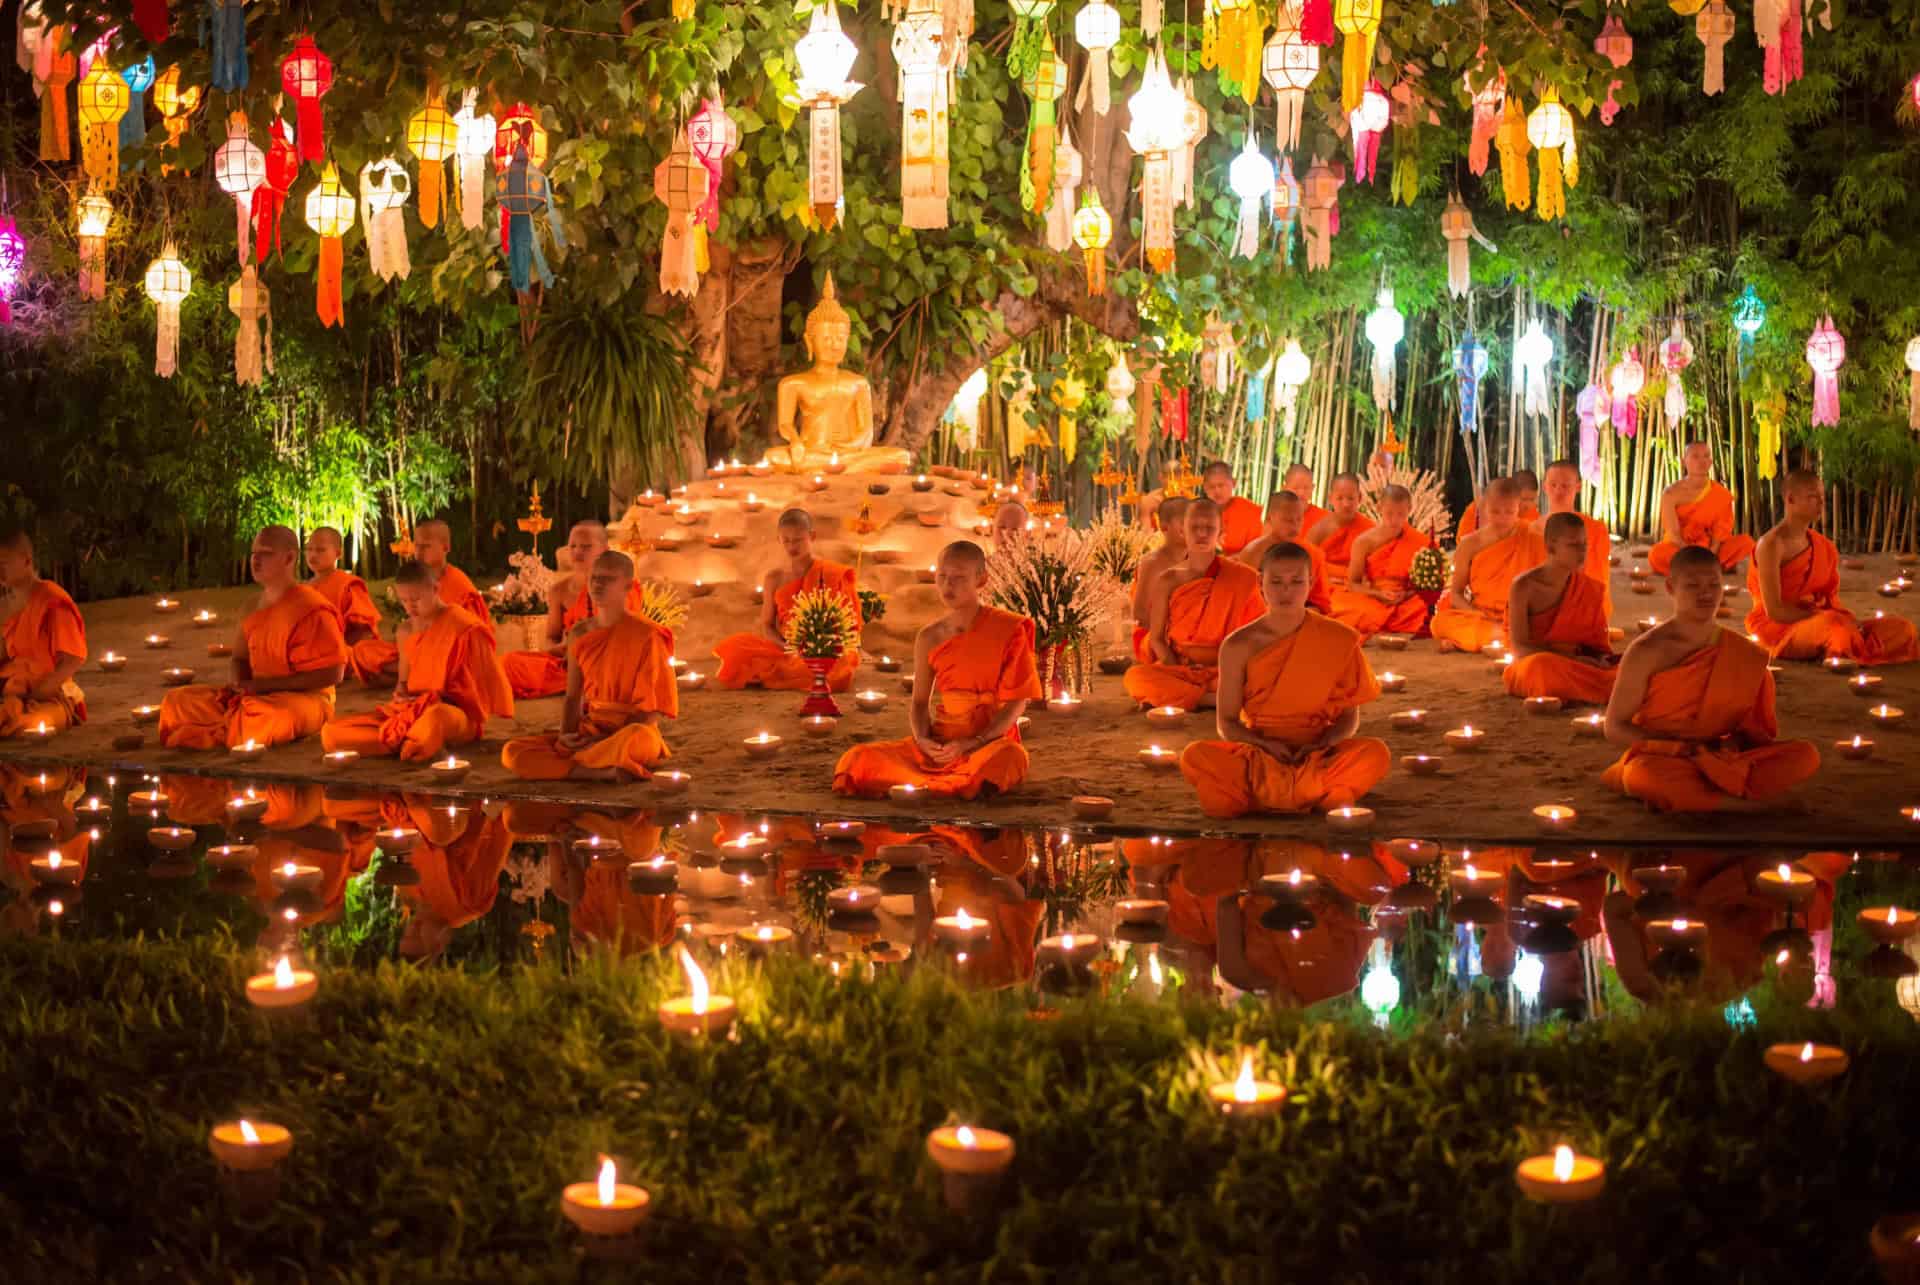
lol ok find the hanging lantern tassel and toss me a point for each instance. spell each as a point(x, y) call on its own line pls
point(1152, 17)
point(384, 188)
point(270, 198)
point(228, 35)
point(1251, 178)
point(1826, 353)
point(474, 143)
point(1714, 27)
point(248, 300)
point(1359, 22)
point(1044, 85)
point(1776, 26)
point(1592, 405)
point(825, 55)
point(168, 282)
point(524, 195)
point(1532, 354)
point(1550, 130)
point(1291, 371)
point(1386, 326)
point(329, 212)
point(1097, 28)
point(680, 181)
point(1625, 380)
point(1516, 183)
point(1913, 383)
point(1093, 232)
point(1676, 354)
point(56, 127)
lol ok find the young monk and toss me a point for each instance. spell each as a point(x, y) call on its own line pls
point(979, 659)
point(378, 661)
point(1240, 518)
point(1557, 623)
point(1376, 599)
point(1285, 514)
point(619, 685)
point(1291, 684)
point(43, 643)
point(1010, 523)
point(1194, 606)
point(534, 674)
point(287, 659)
point(450, 681)
point(1529, 505)
point(1171, 553)
point(1795, 583)
point(762, 659)
point(1336, 532)
point(1698, 511)
point(1563, 496)
point(1299, 479)
point(359, 618)
point(1694, 707)
point(1474, 612)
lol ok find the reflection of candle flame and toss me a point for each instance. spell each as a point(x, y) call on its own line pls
point(1471, 872)
point(765, 933)
point(248, 1134)
point(1563, 1163)
point(1243, 1090)
point(606, 1181)
point(283, 975)
point(964, 1136)
point(288, 869)
point(696, 981)
point(1806, 1053)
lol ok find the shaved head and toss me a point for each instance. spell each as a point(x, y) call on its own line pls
point(964, 553)
point(1396, 495)
point(1351, 479)
point(1280, 500)
point(1567, 466)
point(796, 519)
point(433, 528)
point(1285, 551)
point(1693, 557)
point(1298, 473)
point(1563, 526)
point(415, 573)
point(589, 527)
point(1801, 479)
point(329, 535)
point(1503, 488)
point(615, 562)
point(1201, 504)
point(1173, 511)
point(280, 539)
point(1527, 479)
point(1217, 468)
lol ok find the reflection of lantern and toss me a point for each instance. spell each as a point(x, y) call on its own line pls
point(56, 127)
point(1369, 120)
point(1913, 383)
point(168, 282)
point(270, 198)
point(1097, 28)
point(1676, 354)
point(1469, 368)
point(1156, 126)
point(1826, 353)
point(1359, 22)
point(1251, 178)
point(925, 87)
point(103, 101)
point(1616, 46)
point(1067, 169)
point(1286, 206)
point(384, 188)
point(432, 136)
point(239, 167)
point(1531, 354)
point(1489, 101)
point(1290, 373)
point(1044, 85)
point(1624, 383)
point(248, 300)
point(307, 74)
point(474, 139)
point(93, 215)
point(329, 212)
point(1714, 27)
point(712, 137)
point(1749, 314)
point(1291, 66)
point(13, 257)
point(1120, 384)
point(825, 56)
point(1550, 130)
point(1385, 328)
point(680, 182)
point(227, 33)
point(1456, 225)
point(1319, 204)
point(1093, 232)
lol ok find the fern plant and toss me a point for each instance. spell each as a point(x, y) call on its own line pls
point(820, 624)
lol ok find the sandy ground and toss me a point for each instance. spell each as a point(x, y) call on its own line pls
point(1482, 797)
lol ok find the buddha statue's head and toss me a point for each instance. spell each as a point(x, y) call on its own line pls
point(829, 329)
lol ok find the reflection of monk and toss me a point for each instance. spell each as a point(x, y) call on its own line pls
point(828, 410)
point(43, 643)
point(1697, 512)
point(1795, 583)
point(1474, 612)
point(459, 882)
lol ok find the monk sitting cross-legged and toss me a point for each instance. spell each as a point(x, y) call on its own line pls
point(1291, 684)
point(450, 681)
point(973, 674)
point(1336, 533)
point(1299, 479)
point(1194, 607)
point(1697, 511)
point(763, 659)
point(1529, 505)
point(1484, 565)
point(42, 646)
point(377, 661)
point(359, 618)
point(619, 685)
point(1240, 519)
point(1694, 707)
point(1377, 599)
point(1172, 551)
point(1563, 496)
point(287, 660)
point(1795, 582)
point(533, 674)
point(1556, 623)
point(1285, 516)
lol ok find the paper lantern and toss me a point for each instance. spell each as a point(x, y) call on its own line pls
point(176, 102)
point(168, 282)
point(1156, 129)
point(1120, 384)
point(1359, 22)
point(1616, 46)
point(1592, 406)
point(1470, 361)
point(680, 183)
point(307, 74)
point(1093, 232)
point(524, 196)
point(1749, 315)
point(1069, 394)
point(248, 300)
point(1320, 212)
point(1291, 65)
point(1045, 85)
point(103, 101)
point(1489, 103)
point(1826, 353)
point(33, 46)
point(520, 127)
point(270, 198)
point(1368, 121)
point(1913, 383)
point(56, 126)
point(1456, 225)
point(226, 24)
point(712, 136)
point(13, 259)
point(1516, 183)
point(1194, 118)
point(1714, 27)
point(1231, 43)
point(1286, 206)
point(1550, 130)
point(1291, 370)
point(825, 56)
point(1385, 327)
point(1776, 27)
point(920, 51)
point(432, 136)
point(1251, 178)
point(329, 211)
point(1217, 348)
point(1676, 354)
point(384, 189)
point(239, 168)
point(1067, 169)
point(152, 18)
point(1624, 383)
point(138, 78)
point(1097, 28)
point(1531, 354)
point(93, 216)
point(475, 134)
point(1030, 36)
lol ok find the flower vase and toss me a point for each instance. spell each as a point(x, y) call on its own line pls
point(1055, 671)
point(819, 699)
point(532, 631)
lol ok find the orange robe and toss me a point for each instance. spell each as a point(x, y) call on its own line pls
point(1724, 690)
point(375, 659)
point(1489, 580)
point(534, 674)
point(1200, 615)
point(351, 600)
point(1310, 515)
point(1811, 578)
point(1470, 520)
point(460, 878)
point(625, 675)
point(1241, 523)
point(46, 628)
point(1577, 621)
point(1338, 549)
point(456, 685)
point(749, 659)
point(1707, 522)
point(974, 674)
point(1294, 691)
point(297, 635)
point(1387, 568)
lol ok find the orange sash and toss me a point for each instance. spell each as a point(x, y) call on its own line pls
point(296, 635)
point(1576, 620)
point(1338, 548)
point(625, 673)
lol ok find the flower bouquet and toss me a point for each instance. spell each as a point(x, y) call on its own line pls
point(521, 599)
point(821, 626)
point(1060, 584)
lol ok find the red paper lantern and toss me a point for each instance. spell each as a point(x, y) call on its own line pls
point(307, 74)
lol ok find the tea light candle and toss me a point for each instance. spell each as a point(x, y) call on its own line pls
point(202, 618)
point(819, 725)
point(720, 540)
point(762, 746)
point(764, 937)
point(148, 800)
point(1645, 623)
point(1639, 571)
point(113, 662)
point(972, 1163)
point(291, 876)
point(1466, 739)
point(1245, 1098)
point(1165, 715)
point(1864, 684)
point(923, 483)
point(1408, 720)
point(870, 701)
point(54, 870)
point(1296, 885)
point(1890, 590)
point(1677, 933)
point(1356, 820)
point(1590, 725)
point(41, 731)
point(156, 642)
point(691, 681)
point(1074, 950)
point(762, 468)
point(753, 503)
point(171, 838)
point(246, 807)
point(699, 1012)
point(397, 841)
point(1562, 1178)
point(1806, 1063)
point(905, 793)
point(450, 769)
point(1422, 764)
point(925, 575)
point(1856, 748)
point(285, 987)
point(1886, 715)
point(175, 677)
point(1392, 682)
point(1392, 642)
point(594, 848)
point(672, 781)
point(1641, 586)
point(1554, 818)
point(1840, 664)
point(166, 606)
point(232, 856)
point(962, 930)
point(1785, 884)
point(1549, 909)
point(1091, 807)
point(815, 484)
point(245, 1146)
point(1469, 880)
point(699, 589)
point(1888, 925)
point(1141, 912)
point(657, 876)
point(1543, 704)
point(1158, 757)
point(605, 1207)
point(887, 665)
point(92, 807)
point(854, 899)
point(1064, 703)
point(685, 515)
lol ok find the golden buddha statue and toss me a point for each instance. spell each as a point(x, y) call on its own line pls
point(827, 411)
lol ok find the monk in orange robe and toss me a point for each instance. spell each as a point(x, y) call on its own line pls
point(1529, 505)
point(313, 844)
point(1285, 518)
point(1697, 511)
point(450, 681)
point(378, 661)
point(1240, 518)
point(1336, 533)
point(1291, 685)
point(1484, 565)
point(1194, 607)
point(1011, 524)
point(359, 618)
point(763, 659)
point(459, 882)
point(1172, 516)
point(619, 685)
point(1556, 623)
point(1795, 583)
point(1376, 598)
point(287, 659)
point(1563, 496)
point(43, 643)
point(973, 674)
point(534, 674)
point(1694, 707)
point(1299, 479)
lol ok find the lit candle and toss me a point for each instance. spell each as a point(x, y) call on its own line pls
point(1554, 818)
point(156, 642)
point(171, 838)
point(834, 465)
point(972, 1163)
point(692, 680)
point(1073, 950)
point(1543, 704)
point(750, 845)
point(166, 606)
point(1678, 933)
point(699, 1012)
point(54, 870)
point(1890, 590)
point(962, 930)
point(398, 841)
point(1413, 852)
point(1638, 571)
point(677, 665)
point(595, 848)
point(113, 662)
point(1091, 807)
point(855, 899)
point(1166, 715)
point(148, 800)
point(817, 483)
point(203, 617)
point(1064, 703)
point(1141, 912)
point(672, 782)
point(685, 515)
point(699, 589)
point(1466, 738)
point(1641, 586)
point(1785, 884)
point(1296, 885)
point(887, 665)
point(753, 503)
point(762, 746)
point(1806, 1063)
point(291, 876)
point(1645, 623)
point(1864, 684)
point(1549, 909)
point(1590, 725)
point(1840, 664)
point(1408, 720)
point(819, 725)
point(1350, 818)
point(243, 1146)
point(92, 806)
point(247, 749)
point(1886, 715)
point(1468, 880)
point(40, 731)
point(904, 793)
point(923, 483)
point(1856, 748)
point(605, 1207)
point(1246, 1098)
point(870, 701)
point(1392, 682)
point(232, 856)
point(246, 807)
point(761, 468)
point(842, 830)
point(926, 574)
point(1159, 757)
point(655, 877)
point(764, 937)
point(175, 677)
point(1423, 764)
point(1888, 925)
point(1562, 1178)
point(285, 987)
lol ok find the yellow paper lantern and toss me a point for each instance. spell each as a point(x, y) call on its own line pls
point(1093, 233)
point(1550, 130)
point(1516, 185)
point(176, 104)
point(104, 99)
point(432, 136)
point(1359, 22)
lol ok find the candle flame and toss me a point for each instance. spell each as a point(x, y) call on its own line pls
point(1293, 876)
point(766, 933)
point(1786, 873)
point(1856, 740)
point(1806, 1053)
point(606, 1181)
point(1467, 728)
point(248, 1134)
point(1893, 915)
point(1563, 1163)
point(964, 919)
point(1782, 958)
point(53, 859)
point(283, 975)
point(1471, 872)
point(1243, 1089)
point(1681, 925)
point(696, 981)
point(964, 1136)
point(1066, 941)
point(288, 869)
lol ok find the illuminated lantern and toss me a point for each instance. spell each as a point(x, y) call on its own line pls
point(1489, 102)
point(1156, 127)
point(1067, 169)
point(1217, 348)
point(56, 127)
point(1550, 130)
point(1624, 383)
point(475, 135)
point(1359, 22)
point(1291, 65)
point(248, 300)
point(270, 198)
point(1531, 354)
point(1826, 353)
point(1235, 27)
point(919, 49)
point(239, 168)
point(152, 18)
point(1093, 232)
point(1516, 183)
point(13, 258)
point(34, 46)
point(1030, 36)
point(519, 128)
point(682, 10)
point(1290, 373)
point(525, 194)
point(1097, 28)
point(1369, 120)
point(1616, 46)
point(1456, 225)
point(93, 215)
point(168, 282)
point(1749, 314)
point(138, 78)
point(1320, 212)
point(176, 104)
point(432, 136)
point(680, 182)
point(227, 31)
point(1194, 118)
point(712, 136)
point(1045, 85)
point(1251, 178)
point(1676, 354)
point(384, 189)
point(1385, 328)
point(1469, 368)
point(1913, 383)
point(1286, 206)
point(1069, 394)
point(307, 74)
point(1316, 22)
point(1120, 384)
point(103, 101)
point(825, 56)
point(1592, 405)
point(1776, 27)
point(329, 212)
point(1714, 27)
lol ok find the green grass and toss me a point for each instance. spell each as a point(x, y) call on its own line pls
point(438, 1112)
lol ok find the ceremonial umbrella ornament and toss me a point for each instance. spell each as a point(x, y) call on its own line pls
point(432, 136)
point(1826, 353)
point(103, 98)
point(1291, 370)
point(1156, 128)
point(384, 189)
point(248, 300)
point(680, 182)
point(825, 56)
point(1093, 232)
point(921, 52)
point(1550, 130)
point(1532, 354)
point(239, 168)
point(1251, 178)
point(307, 75)
point(1676, 354)
point(167, 282)
point(1624, 383)
point(1290, 65)
point(1097, 30)
point(1714, 27)
point(473, 144)
point(93, 216)
point(1470, 363)
point(329, 212)
point(1386, 326)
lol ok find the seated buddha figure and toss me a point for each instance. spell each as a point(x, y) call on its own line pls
point(827, 410)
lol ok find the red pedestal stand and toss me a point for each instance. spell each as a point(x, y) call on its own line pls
point(819, 699)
